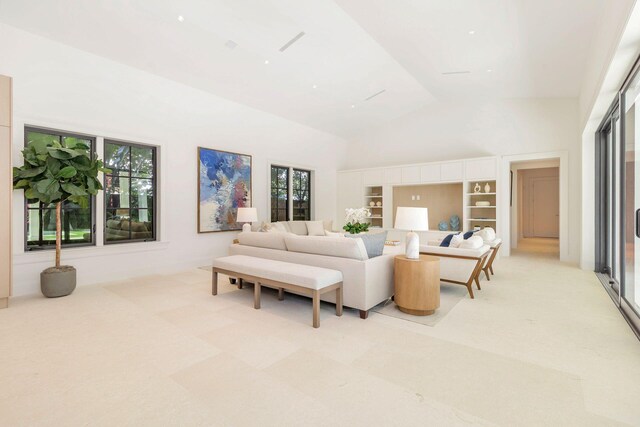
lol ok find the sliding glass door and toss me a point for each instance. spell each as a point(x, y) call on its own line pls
point(630, 107)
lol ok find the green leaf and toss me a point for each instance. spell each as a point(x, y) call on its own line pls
point(23, 183)
point(74, 190)
point(32, 172)
point(67, 172)
point(30, 193)
point(63, 153)
point(43, 185)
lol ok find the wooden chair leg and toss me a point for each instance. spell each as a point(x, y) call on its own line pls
point(339, 301)
point(477, 283)
point(214, 282)
point(486, 272)
point(280, 294)
point(470, 290)
point(316, 309)
point(364, 314)
point(491, 269)
point(240, 282)
point(256, 295)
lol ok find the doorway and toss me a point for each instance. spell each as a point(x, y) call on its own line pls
point(535, 214)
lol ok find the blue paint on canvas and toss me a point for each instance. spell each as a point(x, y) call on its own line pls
point(225, 185)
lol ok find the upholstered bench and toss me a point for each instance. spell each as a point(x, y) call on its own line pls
point(301, 279)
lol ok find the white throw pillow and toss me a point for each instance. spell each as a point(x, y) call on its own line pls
point(279, 227)
point(332, 234)
point(487, 234)
point(473, 242)
point(456, 240)
point(298, 227)
point(315, 228)
point(263, 240)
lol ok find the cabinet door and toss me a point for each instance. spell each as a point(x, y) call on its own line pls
point(411, 175)
point(350, 194)
point(452, 171)
point(430, 173)
point(372, 177)
point(393, 176)
point(480, 169)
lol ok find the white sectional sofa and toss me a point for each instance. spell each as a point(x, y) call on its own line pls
point(366, 282)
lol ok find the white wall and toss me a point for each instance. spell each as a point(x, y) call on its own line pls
point(68, 89)
point(475, 128)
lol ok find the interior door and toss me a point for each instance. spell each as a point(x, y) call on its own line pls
point(546, 207)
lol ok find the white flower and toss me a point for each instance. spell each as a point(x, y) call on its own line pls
point(356, 215)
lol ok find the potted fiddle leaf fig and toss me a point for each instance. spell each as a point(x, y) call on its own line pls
point(54, 172)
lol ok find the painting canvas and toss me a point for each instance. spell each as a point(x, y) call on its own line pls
point(224, 186)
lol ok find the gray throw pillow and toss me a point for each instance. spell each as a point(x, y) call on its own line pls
point(373, 243)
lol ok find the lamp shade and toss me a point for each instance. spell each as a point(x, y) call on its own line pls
point(414, 219)
point(247, 215)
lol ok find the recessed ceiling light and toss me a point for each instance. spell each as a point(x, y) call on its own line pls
point(353, 106)
point(266, 62)
point(489, 70)
point(472, 32)
point(315, 86)
point(180, 18)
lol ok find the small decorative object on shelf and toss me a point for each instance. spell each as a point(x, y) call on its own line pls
point(454, 222)
point(476, 189)
point(356, 220)
point(378, 204)
point(487, 188)
point(483, 203)
point(477, 228)
point(392, 242)
point(443, 225)
point(372, 204)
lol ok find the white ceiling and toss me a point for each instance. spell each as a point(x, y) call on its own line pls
point(351, 49)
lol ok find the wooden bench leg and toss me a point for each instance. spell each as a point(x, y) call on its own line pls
point(486, 273)
point(477, 282)
point(491, 269)
point(470, 290)
point(280, 294)
point(339, 301)
point(364, 314)
point(214, 282)
point(316, 309)
point(240, 282)
point(256, 295)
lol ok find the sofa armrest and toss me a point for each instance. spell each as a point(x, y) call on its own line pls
point(455, 252)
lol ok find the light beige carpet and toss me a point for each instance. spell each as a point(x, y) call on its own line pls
point(450, 295)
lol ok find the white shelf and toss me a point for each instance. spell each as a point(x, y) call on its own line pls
point(482, 219)
point(373, 197)
point(481, 207)
point(481, 194)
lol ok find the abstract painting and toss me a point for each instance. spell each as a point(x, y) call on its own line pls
point(224, 186)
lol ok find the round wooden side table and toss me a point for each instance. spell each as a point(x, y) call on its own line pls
point(417, 284)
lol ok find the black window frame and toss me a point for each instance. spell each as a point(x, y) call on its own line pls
point(92, 199)
point(154, 180)
point(301, 190)
point(275, 209)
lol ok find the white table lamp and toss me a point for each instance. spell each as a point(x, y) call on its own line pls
point(247, 215)
point(412, 219)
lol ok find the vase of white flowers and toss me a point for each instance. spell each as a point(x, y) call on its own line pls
point(356, 220)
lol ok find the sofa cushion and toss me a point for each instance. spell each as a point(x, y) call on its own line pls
point(456, 240)
point(332, 234)
point(285, 224)
point(487, 234)
point(279, 227)
point(328, 224)
point(298, 227)
point(473, 242)
point(373, 242)
point(263, 240)
point(319, 245)
point(315, 228)
point(447, 241)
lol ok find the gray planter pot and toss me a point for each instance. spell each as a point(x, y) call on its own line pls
point(58, 282)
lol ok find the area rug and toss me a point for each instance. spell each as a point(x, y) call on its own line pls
point(450, 295)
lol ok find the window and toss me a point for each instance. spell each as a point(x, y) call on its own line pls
point(130, 192)
point(279, 193)
point(40, 223)
point(301, 195)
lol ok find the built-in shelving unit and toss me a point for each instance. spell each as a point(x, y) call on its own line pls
point(374, 194)
point(480, 216)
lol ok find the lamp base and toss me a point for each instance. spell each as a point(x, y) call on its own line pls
point(246, 227)
point(412, 250)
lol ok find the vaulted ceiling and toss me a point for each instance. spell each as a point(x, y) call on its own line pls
point(339, 66)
